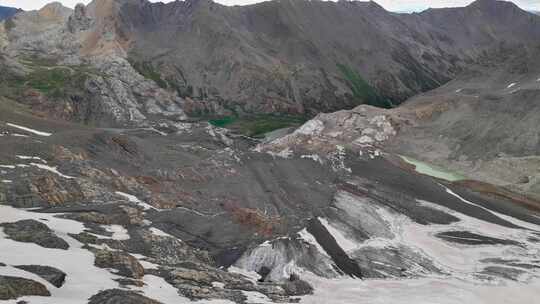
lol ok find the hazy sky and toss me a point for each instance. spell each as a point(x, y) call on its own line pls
point(393, 5)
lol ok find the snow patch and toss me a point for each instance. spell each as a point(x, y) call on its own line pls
point(310, 239)
point(250, 275)
point(161, 233)
point(427, 290)
point(31, 158)
point(134, 199)
point(346, 244)
point(40, 133)
point(218, 285)
point(51, 169)
point(119, 233)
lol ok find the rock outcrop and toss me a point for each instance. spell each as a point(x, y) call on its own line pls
point(54, 276)
point(118, 296)
point(32, 231)
point(13, 288)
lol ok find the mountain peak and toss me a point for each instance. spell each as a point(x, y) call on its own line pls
point(492, 3)
point(54, 10)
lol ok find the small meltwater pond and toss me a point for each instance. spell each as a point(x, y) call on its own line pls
point(427, 169)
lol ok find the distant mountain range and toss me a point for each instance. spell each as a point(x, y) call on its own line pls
point(289, 57)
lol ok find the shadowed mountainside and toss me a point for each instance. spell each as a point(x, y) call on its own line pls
point(6, 12)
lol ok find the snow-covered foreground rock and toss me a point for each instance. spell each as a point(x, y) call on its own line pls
point(83, 278)
point(322, 215)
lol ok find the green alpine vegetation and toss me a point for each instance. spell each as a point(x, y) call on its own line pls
point(257, 125)
point(148, 71)
point(362, 91)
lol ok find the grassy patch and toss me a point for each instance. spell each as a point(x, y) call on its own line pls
point(362, 91)
point(35, 61)
point(47, 77)
point(257, 125)
point(55, 82)
point(223, 121)
point(147, 70)
point(49, 81)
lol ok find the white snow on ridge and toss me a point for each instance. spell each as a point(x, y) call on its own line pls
point(143, 261)
point(51, 169)
point(134, 199)
point(36, 132)
point(19, 135)
point(250, 275)
point(461, 262)
point(23, 157)
point(511, 85)
point(119, 233)
point(507, 218)
point(308, 237)
point(161, 233)
point(343, 242)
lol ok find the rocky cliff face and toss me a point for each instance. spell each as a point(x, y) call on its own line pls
point(129, 62)
point(296, 57)
point(50, 66)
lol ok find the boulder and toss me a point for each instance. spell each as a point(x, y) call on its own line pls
point(13, 288)
point(52, 275)
point(117, 296)
point(126, 264)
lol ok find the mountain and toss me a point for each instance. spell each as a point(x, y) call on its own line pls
point(287, 57)
point(293, 57)
point(179, 152)
point(6, 12)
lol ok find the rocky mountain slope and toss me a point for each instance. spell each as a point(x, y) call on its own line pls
point(129, 61)
point(310, 56)
point(114, 189)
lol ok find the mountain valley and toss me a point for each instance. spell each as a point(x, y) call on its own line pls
point(289, 151)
